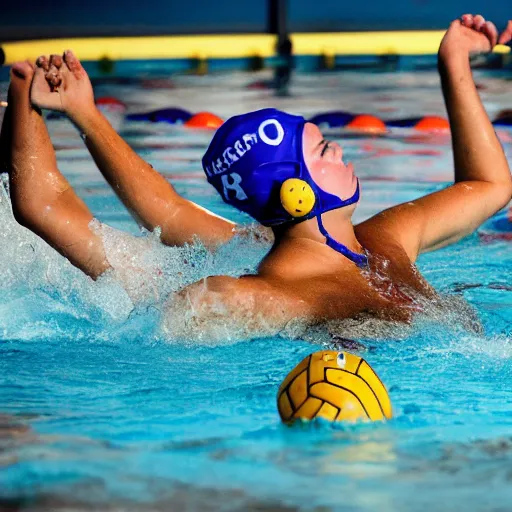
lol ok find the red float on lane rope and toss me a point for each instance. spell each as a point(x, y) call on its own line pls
point(367, 123)
point(205, 120)
point(433, 124)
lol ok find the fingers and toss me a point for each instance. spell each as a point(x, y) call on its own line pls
point(41, 94)
point(51, 67)
point(22, 70)
point(56, 61)
point(73, 63)
point(43, 63)
point(491, 32)
point(506, 35)
point(53, 76)
point(39, 85)
point(478, 22)
point(54, 79)
point(467, 20)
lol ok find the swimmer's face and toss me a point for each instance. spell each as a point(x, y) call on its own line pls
point(325, 164)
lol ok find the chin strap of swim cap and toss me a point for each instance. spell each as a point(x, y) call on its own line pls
point(299, 199)
point(361, 260)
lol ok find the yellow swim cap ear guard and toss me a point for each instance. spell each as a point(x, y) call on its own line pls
point(297, 197)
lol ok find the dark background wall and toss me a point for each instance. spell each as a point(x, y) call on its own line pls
point(23, 19)
point(332, 15)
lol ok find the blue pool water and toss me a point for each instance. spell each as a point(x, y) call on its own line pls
point(99, 410)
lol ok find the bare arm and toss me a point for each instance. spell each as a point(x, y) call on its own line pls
point(483, 183)
point(147, 195)
point(150, 198)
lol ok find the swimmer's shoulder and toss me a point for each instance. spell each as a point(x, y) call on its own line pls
point(381, 237)
point(243, 301)
point(389, 257)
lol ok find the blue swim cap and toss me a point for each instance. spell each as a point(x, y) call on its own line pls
point(252, 155)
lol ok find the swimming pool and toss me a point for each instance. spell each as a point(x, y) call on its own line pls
point(101, 411)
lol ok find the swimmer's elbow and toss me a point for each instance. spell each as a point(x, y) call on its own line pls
point(507, 191)
point(502, 194)
point(488, 196)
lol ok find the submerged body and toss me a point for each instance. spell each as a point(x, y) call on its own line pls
point(302, 277)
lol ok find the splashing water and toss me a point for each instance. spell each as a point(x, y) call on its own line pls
point(145, 275)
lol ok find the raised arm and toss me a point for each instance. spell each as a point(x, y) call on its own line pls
point(148, 196)
point(483, 184)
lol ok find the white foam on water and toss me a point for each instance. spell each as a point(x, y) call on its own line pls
point(39, 286)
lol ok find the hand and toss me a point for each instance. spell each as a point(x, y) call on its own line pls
point(61, 83)
point(472, 34)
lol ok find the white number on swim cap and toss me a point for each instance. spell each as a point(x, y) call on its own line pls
point(265, 138)
point(235, 186)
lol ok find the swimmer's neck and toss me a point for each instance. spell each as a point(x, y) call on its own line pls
point(337, 222)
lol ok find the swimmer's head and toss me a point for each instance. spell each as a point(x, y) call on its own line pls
point(278, 168)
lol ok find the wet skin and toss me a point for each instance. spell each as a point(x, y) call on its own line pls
point(301, 277)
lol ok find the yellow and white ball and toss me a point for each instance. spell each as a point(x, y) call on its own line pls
point(336, 386)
